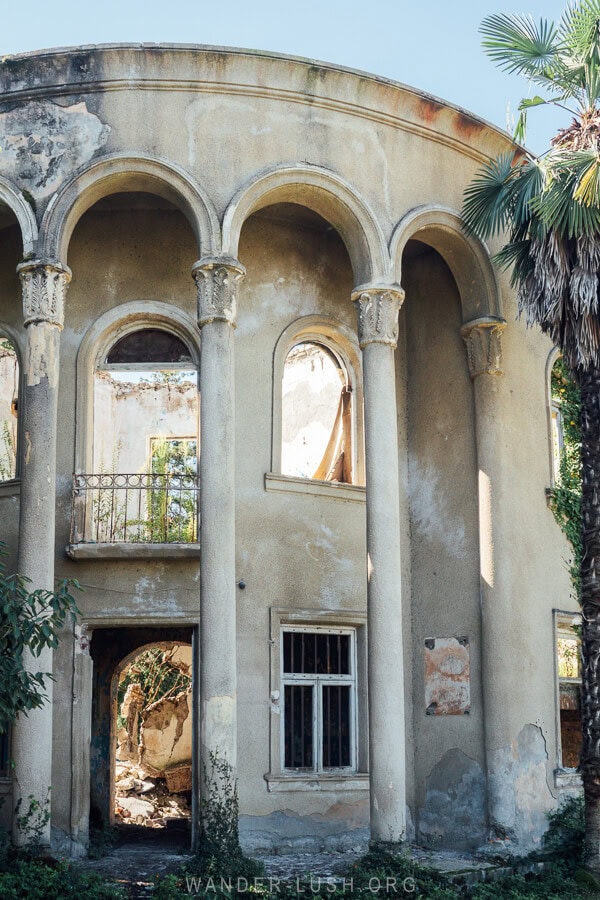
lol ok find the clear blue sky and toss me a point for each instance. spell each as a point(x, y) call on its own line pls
point(434, 46)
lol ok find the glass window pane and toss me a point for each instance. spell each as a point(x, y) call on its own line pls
point(336, 726)
point(298, 718)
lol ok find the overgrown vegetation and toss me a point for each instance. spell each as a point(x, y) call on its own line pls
point(157, 676)
point(565, 495)
point(29, 622)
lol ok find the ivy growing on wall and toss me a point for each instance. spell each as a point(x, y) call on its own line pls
point(565, 495)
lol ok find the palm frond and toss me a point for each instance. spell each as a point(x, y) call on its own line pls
point(489, 198)
point(515, 255)
point(578, 29)
point(519, 45)
point(557, 205)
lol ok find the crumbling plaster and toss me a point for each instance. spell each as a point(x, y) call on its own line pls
point(383, 164)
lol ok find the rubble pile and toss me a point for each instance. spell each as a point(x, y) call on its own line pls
point(140, 800)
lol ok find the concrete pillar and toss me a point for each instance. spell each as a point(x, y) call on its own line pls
point(217, 281)
point(483, 341)
point(43, 285)
point(378, 310)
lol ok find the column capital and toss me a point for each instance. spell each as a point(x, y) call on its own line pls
point(484, 348)
point(44, 285)
point(216, 279)
point(378, 308)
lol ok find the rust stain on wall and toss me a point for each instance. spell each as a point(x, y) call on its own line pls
point(447, 676)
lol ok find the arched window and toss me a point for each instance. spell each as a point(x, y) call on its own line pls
point(9, 404)
point(317, 410)
point(316, 415)
point(143, 484)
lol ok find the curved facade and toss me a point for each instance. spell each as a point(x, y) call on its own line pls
point(371, 615)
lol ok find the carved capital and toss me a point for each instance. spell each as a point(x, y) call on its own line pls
point(217, 279)
point(484, 348)
point(378, 309)
point(44, 285)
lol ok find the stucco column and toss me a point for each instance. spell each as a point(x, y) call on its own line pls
point(378, 310)
point(217, 281)
point(484, 351)
point(43, 285)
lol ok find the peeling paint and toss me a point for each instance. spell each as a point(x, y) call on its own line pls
point(42, 352)
point(519, 788)
point(454, 812)
point(429, 511)
point(44, 143)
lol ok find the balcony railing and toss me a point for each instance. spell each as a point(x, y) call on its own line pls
point(143, 508)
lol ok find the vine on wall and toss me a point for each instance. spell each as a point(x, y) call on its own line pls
point(565, 495)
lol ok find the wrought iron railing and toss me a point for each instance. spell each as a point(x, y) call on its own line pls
point(140, 508)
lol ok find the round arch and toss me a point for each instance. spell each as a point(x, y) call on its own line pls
point(326, 194)
point(116, 323)
point(466, 257)
point(124, 173)
point(343, 343)
point(113, 700)
point(24, 213)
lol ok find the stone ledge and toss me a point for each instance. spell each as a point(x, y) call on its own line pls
point(133, 551)
point(317, 783)
point(567, 778)
point(10, 488)
point(288, 484)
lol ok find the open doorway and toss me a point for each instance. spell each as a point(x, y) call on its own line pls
point(142, 733)
point(152, 737)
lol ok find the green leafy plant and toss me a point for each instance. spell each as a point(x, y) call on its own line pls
point(157, 676)
point(29, 621)
point(564, 839)
point(31, 822)
point(565, 495)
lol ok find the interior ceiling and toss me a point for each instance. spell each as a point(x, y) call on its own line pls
point(414, 249)
point(7, 216)
point(294, 213)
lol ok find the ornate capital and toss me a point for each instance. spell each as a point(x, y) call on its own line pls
point(44, 285)
point(378, 309)
point(484, 347)
point(216, 279)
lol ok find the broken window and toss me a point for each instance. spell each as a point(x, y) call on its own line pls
point(9, 403)
point(317, 415)
point(143, 487)
point(319, 699)
point(568, 662)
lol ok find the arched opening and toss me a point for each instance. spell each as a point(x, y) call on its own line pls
point(298, 266)
point(316, 415)
point(152, 744)
point(142, 765)
point(9, 408)
point(137, 480)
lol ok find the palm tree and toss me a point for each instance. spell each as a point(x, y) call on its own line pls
point(549, 207)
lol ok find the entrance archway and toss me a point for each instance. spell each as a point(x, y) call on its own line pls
point(142, 700)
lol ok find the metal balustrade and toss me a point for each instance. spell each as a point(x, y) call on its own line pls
point(144, 508)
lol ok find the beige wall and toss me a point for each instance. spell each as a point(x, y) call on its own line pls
point(386, 150)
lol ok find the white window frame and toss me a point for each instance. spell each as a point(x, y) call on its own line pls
point(318, 682)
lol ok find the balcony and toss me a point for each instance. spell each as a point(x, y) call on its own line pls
point(134, 515)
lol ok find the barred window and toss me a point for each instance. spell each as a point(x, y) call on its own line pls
point(319, 699)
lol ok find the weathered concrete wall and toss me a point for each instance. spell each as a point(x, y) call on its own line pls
point(301, 549)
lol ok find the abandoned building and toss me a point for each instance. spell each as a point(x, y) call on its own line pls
point(272, 408)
